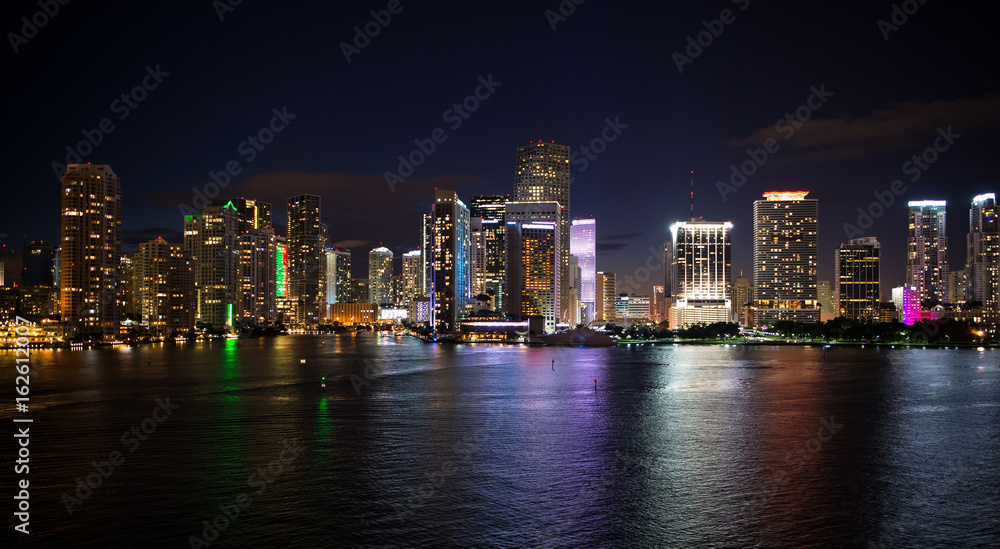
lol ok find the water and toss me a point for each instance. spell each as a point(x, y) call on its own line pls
point(487, 446)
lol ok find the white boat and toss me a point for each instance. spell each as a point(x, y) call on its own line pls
point(578, 337)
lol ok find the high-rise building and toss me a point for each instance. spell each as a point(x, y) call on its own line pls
point(256, 291)
point(927, 250)
point(128, 294)
point(91, 241)
point(251, 214)
point(210, 239)
point(785, 227)
point(956, 287)
point(982, 265)
point(338, 276)
point(857, 283)
point(532, 271)
point(490, 209)
point(426, 249)
point(638, 309)
point(306, 250)
point(380, 274)
point(163, 275)
point(583, 246)
point(38, 263)
point(575, 279)
point(520, 213)
point(56, 266)
point(542, 173)
point(477, 257)
point(412, 280)
point(450, 285)
point(281, 267)
point(359, 290)
point(742, 298)
point(702, 263)
point(604, 301)
point(824, 297)
point(656, 306)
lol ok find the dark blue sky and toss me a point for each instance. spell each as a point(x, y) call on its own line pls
point(603, 61)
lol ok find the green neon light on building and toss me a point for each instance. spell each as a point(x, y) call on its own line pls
point(280, 270)
point(229, 314)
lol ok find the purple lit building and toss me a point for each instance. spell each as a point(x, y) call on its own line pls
point(582, 245)
point(907, 302)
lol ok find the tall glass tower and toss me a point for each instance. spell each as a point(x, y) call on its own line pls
point(583, 246)
point(927, 250)
point(786, 229)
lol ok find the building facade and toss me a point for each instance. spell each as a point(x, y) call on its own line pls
point(927, 250)
point(210, 239)
point(702, 266)
point(583, 246)
point(163, 275)
point(91, 242)
point(380, 274)
point(982, 267)
point(786, 229)
point(306, 250)
point(450, 261)
point(856, 265)
point(533, 271)
point(491, 265)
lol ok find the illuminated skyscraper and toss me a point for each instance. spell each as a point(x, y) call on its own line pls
point(380, 273)
point(702, 264)
point(412, 280)
point(338, 276)
point(542, 174)
point(251, 214)
point(426, 249)
point(785, 227)
point(982, 267)
point(450, 285)
point(490, 209)
point(927, 250)
point(210, 239)
point(532, 270)
point(256, 303)
point(306, 249)
point(163, 275)
point(742, 297)
point(281, 267)
point(606, 292)
point(857, 284)
point(583, 246)
point(907, 302)
point(520, 213)
point(91, 241)
point(956, 287)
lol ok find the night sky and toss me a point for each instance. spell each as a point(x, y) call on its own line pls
point(220, 81)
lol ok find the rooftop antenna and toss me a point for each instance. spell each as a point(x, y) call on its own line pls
point(692, 195)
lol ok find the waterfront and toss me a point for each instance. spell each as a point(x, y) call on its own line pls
point(497, 446)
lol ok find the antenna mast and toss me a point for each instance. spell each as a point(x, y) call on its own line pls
point(692, 195)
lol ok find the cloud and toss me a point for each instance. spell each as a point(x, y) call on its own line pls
point(608, 247)
point(904, 125)
point(623, 236)
point(349, 244)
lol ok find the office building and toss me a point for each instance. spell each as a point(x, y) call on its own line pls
point(856, 265)
point(38, 263)
point(91, 242)
point(604, 300)
point(450, 284)
point(786, 228)
point(583, 246)
point(338, 276)
point(491, 263)
point(412, 280)
point(306, 251)
point(701, 264)
point(906, 300)
point(927, 250)
point(210, 240)
point(742, 299)
point(256, 291)
point(532, 276)
point(956, 287)
point(542, 174)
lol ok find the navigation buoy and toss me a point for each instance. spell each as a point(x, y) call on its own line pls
point(553, 364)
point(322, 384)
point(302, 361)
point(595, 384)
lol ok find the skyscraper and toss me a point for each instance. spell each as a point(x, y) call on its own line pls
point(256, 291)
point(742, 296)
point(532, 270)
point(956, 287)
point(210, 239)
point(306, 248)
point(412, 280)
point(338, 276)
point(163, 275)
point(380, 273)
point(701, 263)
point(426, 249)
point(520, 213)
point(583, 246)
point(542, 174)
point(785, 227)
point(824, 297)
point(927, 250)
point(450, 284)
point(857, 283)
point(91, 241)
point(251, 214)
point(490, 209)
point(606, 292)
point(982, 266)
